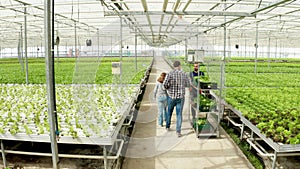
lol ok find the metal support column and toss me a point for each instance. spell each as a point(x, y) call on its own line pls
point(75, 32)
point(102, 47)
point(67, 50)
point(222, 86)
point(245, 47)
point(274, 160)
point(135, 50)
point(105, 158)
point(198, 87)
point(197, 37)
point(3, 155)
point(49, 82)
point(41, 49)
point(256, 46)
point(25, 44)
point(121, 46)
point(280, 49)
point(185, 47)
point(269, 53)
point(222, 74)
point(225, 35)
point(53, 68)
point(57, 49)
point(242, 131)
point(57, 53)
point(251, 136)
point(276, 48)
point(229, 47)
point(98, 43)
point(111, 46)
point(20, 50)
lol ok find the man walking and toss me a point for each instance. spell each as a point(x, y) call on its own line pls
point(175, 82)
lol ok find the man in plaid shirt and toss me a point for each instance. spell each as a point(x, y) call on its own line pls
point(175, 82)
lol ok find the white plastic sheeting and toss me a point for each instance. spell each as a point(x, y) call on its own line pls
point(158, 22)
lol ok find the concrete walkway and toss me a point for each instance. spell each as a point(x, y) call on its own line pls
point(152, 147)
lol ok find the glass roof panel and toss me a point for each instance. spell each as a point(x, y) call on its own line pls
point(166, 27)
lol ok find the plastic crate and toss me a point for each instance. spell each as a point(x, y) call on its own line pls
point(204, 127)
point(204, 108)
point(208, 85)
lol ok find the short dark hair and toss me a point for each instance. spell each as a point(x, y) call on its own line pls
point(176, 63)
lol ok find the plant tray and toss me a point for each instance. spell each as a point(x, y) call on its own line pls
point(208, 85)
point(204, 108)
point(204, 127)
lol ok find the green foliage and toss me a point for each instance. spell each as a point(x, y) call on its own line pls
point(202, 78)
point(244, 147)
point(275, 111)
point(268, 98)
point(205, 104)
point(23, 108)
point(73, 70)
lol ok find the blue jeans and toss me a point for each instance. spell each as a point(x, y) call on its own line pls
point(162, 106)
point(179, 106)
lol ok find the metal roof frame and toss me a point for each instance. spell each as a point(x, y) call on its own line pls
point(167, 20)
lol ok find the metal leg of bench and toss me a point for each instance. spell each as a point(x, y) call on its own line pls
point(274, 160)
point(251, 138)
point(105, 158)
point(242, 131)
point(3, 154)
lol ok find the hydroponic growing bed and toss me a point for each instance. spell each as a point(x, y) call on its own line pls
point(265, 104)
point(87, 114)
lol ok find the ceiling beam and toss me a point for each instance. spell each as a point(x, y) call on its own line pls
point(269, 18)
point(253, 12)
point(144, 3)
point(176, 5)
point(275, 4)
point(165, 5)
point(181, 25)
point(162, 16)
point(148, 33)
point(209, 13)
point(186, 5)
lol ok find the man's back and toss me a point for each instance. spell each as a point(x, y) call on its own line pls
point(175, 82)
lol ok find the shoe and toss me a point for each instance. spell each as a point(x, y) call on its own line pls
point(167, 129)
point(178, 134)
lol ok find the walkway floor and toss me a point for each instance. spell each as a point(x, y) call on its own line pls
point(152, 147)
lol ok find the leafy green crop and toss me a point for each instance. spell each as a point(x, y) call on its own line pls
point(74, 70)
point(83, 110)
point(268, 98)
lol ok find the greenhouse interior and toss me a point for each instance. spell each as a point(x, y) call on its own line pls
point(78, 80)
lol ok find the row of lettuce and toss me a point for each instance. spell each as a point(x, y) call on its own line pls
point(74, 70)
point(90, 98)
point(83, 110)
point(267, 93)
point(269, 97)
point(275, 111)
